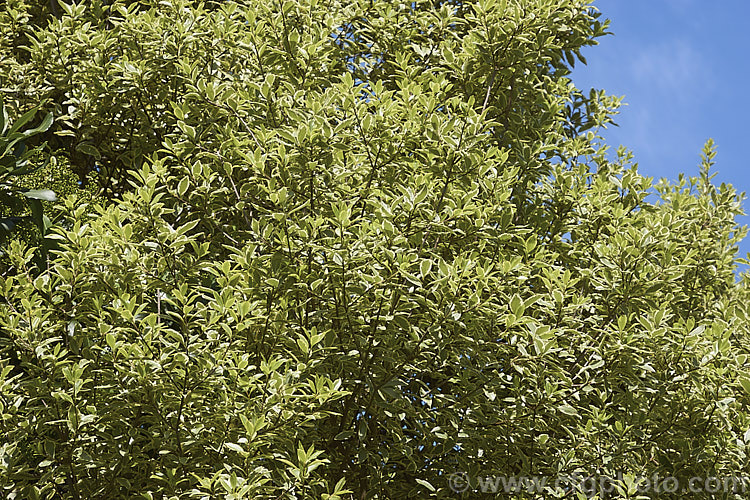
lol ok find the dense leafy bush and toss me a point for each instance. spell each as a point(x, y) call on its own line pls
point(358, 247)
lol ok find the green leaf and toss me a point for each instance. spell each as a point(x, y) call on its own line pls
point(424, 267)
point(7, 224)
point(3, 118)
point(343, 435)
point(111, 342)
point(43, 127)
point(24, 119)
point(37, 213)
point(235, 447)
point(303, 344)
point(40, 194)
point(73, 421)
point(182, 187)
point(568, 410)
point(89, 149)
point(426, 484)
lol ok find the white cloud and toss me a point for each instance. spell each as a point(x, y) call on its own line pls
point(672, 67)
point(683, 6)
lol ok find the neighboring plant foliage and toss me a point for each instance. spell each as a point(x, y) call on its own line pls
point(18, 159)
point(358, 247)
point(57, 174)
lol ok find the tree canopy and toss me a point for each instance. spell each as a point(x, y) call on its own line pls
point(346, 249)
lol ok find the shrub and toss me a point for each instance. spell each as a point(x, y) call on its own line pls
point(366, 246)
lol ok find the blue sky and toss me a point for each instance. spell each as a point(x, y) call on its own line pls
point(682, 66)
